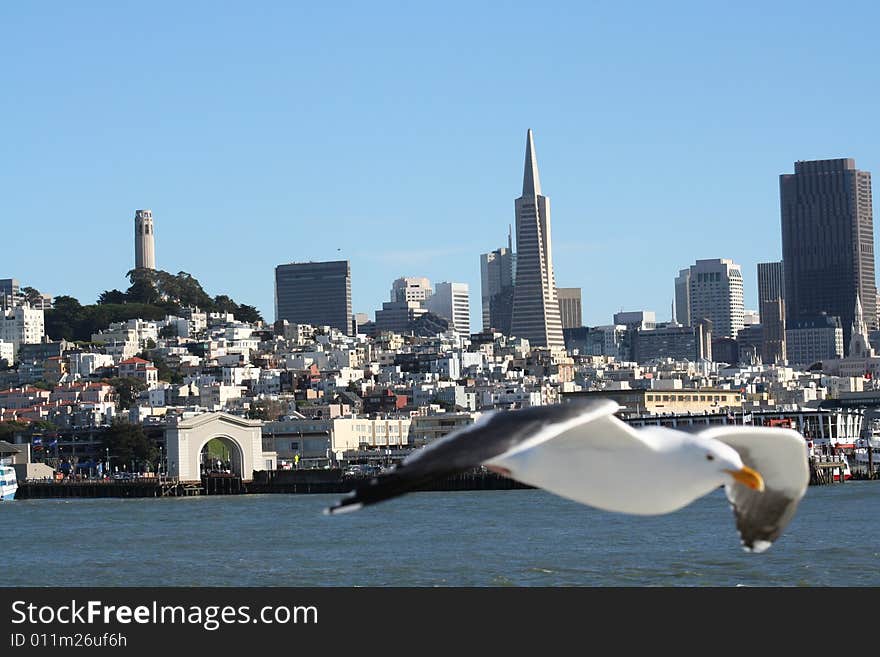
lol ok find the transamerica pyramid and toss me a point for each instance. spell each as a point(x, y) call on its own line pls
point(535, 305)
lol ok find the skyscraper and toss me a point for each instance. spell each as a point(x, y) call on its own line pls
point(715, 292)
point(771, 281)
point(144, 240)
point(682, 297)
point(535, 314)
point(828, 241)
point(451, 301)
point(570, 306)
point(497, 271)
point(317, 293)
point(9, 289)
point(771, 304)
point(411, 288)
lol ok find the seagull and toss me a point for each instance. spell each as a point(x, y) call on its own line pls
point(582, 452)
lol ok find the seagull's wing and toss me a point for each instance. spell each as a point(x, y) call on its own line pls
point(780, 456)
point(494, 434)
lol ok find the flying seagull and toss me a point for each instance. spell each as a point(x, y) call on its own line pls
point(582, 452)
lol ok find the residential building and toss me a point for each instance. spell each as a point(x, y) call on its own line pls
point(144, 240)
point(317, 293)
point(535, 307)
point(138, 368)
point(570, 306)
point(715, 292)
point(7, 353)
point(451, 301)
point(828, 242)
point(22, 325)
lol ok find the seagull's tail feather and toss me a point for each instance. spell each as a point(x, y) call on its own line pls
point(384, 487)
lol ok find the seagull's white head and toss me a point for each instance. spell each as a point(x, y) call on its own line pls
point(719, 463)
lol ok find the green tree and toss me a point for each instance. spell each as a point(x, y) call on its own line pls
point(247, 313)
point(266, 410)
point(168, 331)
point(112, 296)
point(128, 444)
point(9, 429)
point(31, 295)
point(127, 390)
point(62, 321)
point(164, 371)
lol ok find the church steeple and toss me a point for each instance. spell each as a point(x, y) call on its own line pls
point(859, 344)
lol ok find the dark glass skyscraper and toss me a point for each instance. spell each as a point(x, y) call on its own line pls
point(771, 281)
point(317, 293)
point(828, 241)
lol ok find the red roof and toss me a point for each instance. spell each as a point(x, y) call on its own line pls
point(134, 361)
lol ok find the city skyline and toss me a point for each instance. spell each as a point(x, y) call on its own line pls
point(254, 195)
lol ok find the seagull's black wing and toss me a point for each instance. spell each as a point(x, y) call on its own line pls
point(493, 434)
point(780, 456)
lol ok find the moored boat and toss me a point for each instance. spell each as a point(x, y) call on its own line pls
point(8, 483)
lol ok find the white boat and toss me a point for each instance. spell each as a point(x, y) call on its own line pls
point(8, 483)
point(861, 459)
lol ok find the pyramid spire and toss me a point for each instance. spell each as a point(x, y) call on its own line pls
point(531, 181)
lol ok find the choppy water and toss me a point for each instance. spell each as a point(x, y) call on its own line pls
point(487, 538)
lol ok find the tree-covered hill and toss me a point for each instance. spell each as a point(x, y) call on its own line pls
point(153, 294)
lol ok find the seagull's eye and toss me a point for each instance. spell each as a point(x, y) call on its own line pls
point(709, 457)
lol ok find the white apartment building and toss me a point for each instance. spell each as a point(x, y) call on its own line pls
point(137, 331)
point(7, 352)
point(22, 325)
point(83, 364)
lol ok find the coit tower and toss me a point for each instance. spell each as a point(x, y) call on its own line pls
point(144, 243)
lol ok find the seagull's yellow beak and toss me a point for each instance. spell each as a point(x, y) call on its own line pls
point(748, 477)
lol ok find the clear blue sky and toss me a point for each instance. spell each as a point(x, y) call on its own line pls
point(392, 135)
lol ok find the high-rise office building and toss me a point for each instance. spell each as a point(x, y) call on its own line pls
point(682, 297)
point(317, 293)
point(771, 281)
point(535, 314)
point(828, 241)
point(497, 272)
point(773, 349)
point(715, 292)
point(570, 306)
point(9, 289)
point(451, 301)
point(144, 240)
point(411, 288)
point(771, 305)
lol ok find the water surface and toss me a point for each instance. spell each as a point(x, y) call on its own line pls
point(481, 538)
